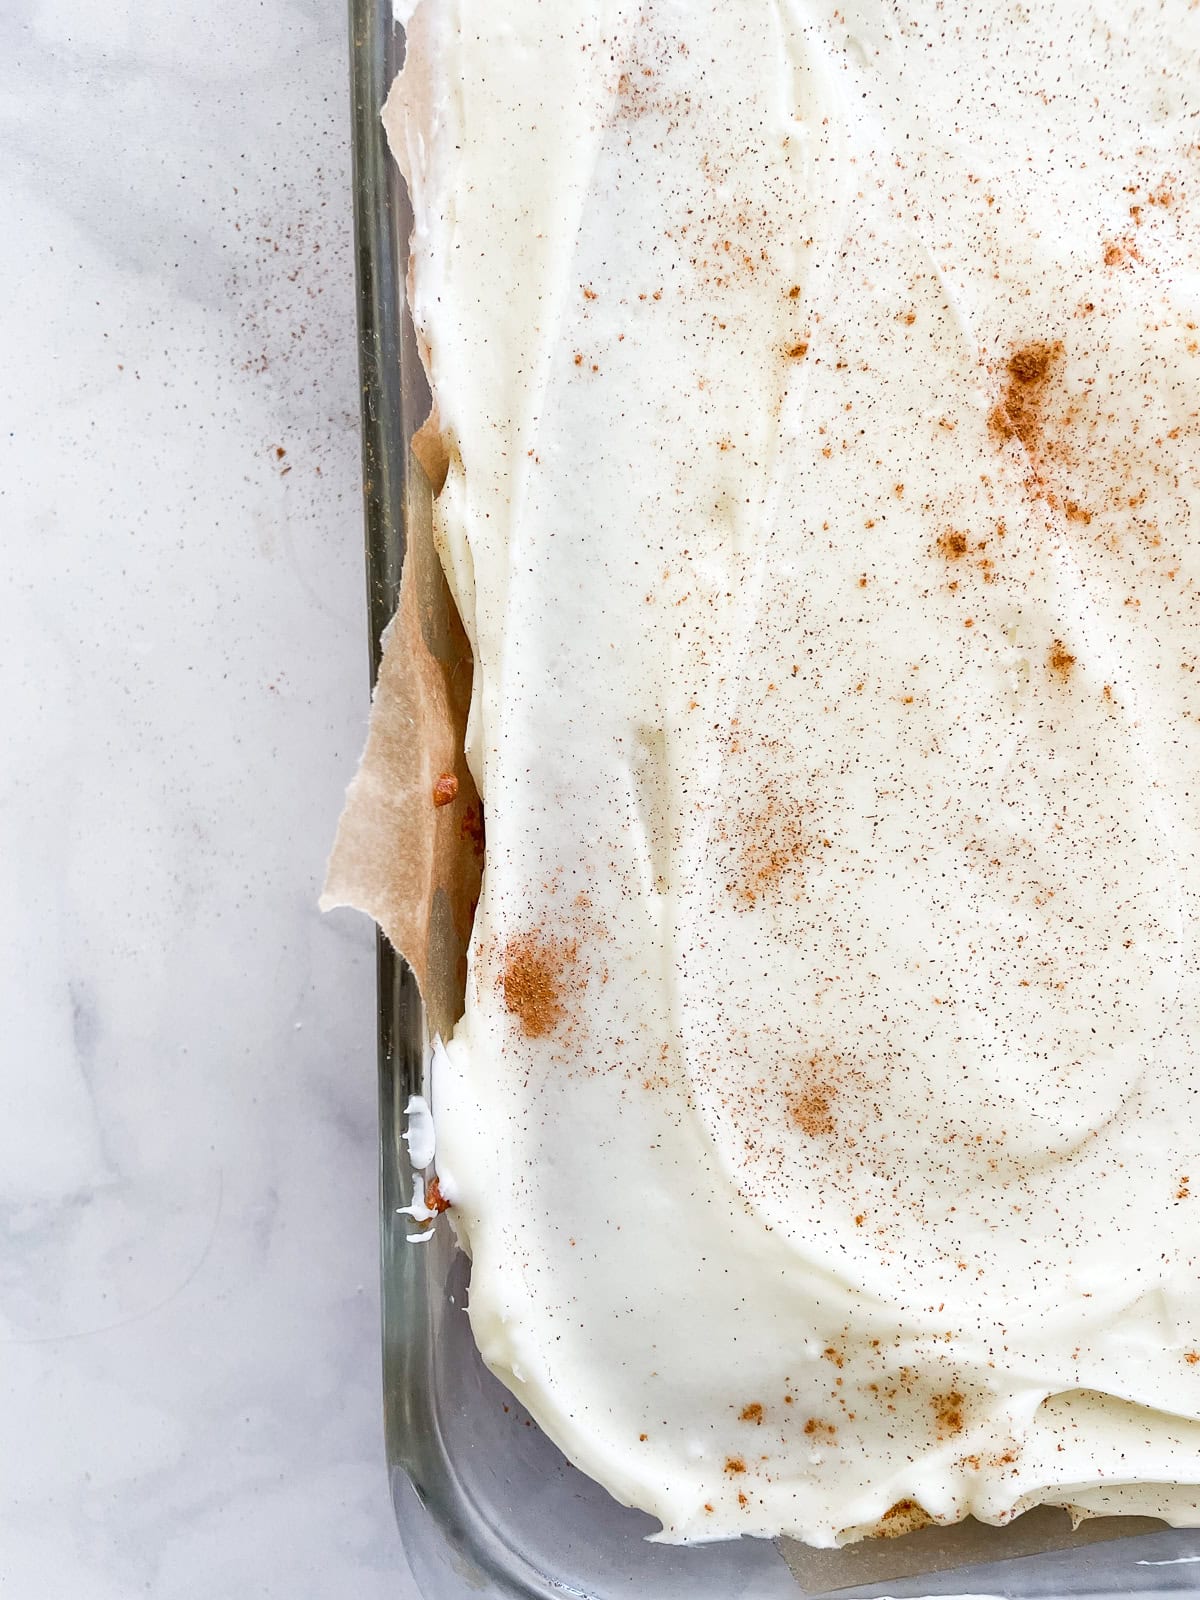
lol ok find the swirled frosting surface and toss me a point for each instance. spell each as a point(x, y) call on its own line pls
point(821, 387)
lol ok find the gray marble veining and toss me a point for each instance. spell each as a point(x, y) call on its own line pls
point(189, 1365)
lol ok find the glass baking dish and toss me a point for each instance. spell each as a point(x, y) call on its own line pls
point(486, 1505)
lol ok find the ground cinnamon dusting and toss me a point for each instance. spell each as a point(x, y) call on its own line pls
point(1059, 659)
point(948, 1409)
point(1027, 375)
point(812, 1111)
point(1118, 251)
point(770, 842)
point(532, 974)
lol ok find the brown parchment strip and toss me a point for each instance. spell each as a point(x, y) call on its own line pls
point(411, 864)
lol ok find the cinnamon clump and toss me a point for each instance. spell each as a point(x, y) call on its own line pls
point(445, 789)
point(1027, 375)
point(812, 1100)
point(734, 1464)
point(824, 1432)
point(1059, 659)
point(1119, 251)
point(752, 1413)
point(435, 1200)
point(812, 1110)
point(952, 545)
point(948, 1409)
point(533, 972)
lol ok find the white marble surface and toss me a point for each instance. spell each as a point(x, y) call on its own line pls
point(189, 1374)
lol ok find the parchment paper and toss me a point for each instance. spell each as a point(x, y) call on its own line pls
point(410, 863)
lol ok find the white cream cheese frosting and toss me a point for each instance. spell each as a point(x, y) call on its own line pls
point(822, 391)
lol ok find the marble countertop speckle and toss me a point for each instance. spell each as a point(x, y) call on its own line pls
point(189, 1379)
